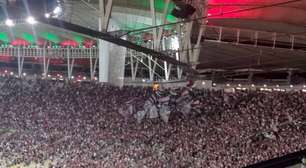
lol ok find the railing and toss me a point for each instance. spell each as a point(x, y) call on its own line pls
point(255, 37)
point(50, 52)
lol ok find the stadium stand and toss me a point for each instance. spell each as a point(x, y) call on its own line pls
point(80, 125)
point(152, 83)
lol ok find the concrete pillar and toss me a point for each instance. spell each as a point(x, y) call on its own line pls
point(116, 64)
point(105, 10)
point(111, 60)
point(103, 61)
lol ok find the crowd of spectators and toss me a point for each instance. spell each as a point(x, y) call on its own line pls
point(93, 125)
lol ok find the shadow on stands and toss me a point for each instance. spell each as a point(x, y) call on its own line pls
point(281, 162)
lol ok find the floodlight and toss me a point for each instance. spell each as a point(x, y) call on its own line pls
point(57, 10)
point(47, 15)
point(9, 22)
point(31, 20)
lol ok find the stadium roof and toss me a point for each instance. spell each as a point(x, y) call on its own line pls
point(280, 26)
point(280, 18)
point(274, 24)
point(33, 34)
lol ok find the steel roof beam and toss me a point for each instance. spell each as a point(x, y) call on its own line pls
point(114, 40)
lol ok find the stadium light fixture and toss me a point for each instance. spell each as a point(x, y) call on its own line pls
point(47, 15)
point(175, 43)
point(291, 86)
point(57, 10)
point(31, 20)
point(9, 23)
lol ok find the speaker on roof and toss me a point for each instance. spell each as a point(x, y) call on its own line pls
point(182, 10)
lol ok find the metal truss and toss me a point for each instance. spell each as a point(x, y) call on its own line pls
point(189, 52)
point(136, 59)
point(160, 70)
point(185, 52)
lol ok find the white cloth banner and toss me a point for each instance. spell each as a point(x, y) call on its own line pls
point(140, 116)
point(153, 112)
point(165, 113)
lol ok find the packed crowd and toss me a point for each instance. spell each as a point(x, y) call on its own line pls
point(68, 124)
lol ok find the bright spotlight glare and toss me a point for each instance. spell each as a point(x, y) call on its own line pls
point(57, 10)
point(9, 22)
point(31, 20)
point(175, 43)
point(47, 15)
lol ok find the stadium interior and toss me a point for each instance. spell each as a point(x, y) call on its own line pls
point(152, 83)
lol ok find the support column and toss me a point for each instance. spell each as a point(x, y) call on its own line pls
point(134, 68)
point(157, 39)
point(289, 77)
point(20, 59)
point(188, 52)
point(103, 61)
point(292, 39)
point(70, 62)
point(46, 62)
point(105, 10)
point(250, 77)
